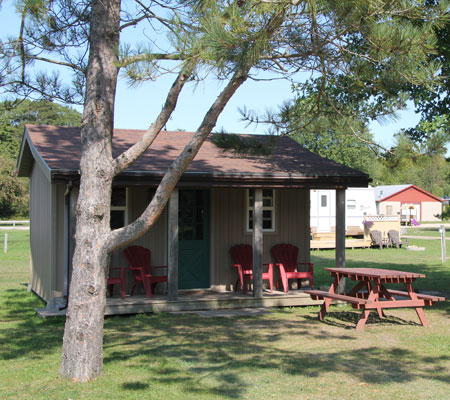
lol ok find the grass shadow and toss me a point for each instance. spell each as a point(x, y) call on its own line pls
point(23, 333)
point(222, 351)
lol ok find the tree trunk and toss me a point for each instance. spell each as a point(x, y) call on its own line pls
point(82, 354)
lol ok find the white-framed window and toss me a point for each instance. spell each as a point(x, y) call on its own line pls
point(119, 207)
point(351, 204)
point(268, 210)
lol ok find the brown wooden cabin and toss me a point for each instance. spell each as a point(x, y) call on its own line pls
point(215, 203)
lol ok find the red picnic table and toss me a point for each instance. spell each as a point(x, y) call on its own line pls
point(375, 295)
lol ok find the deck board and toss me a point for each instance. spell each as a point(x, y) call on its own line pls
point(206, 300)
point(195, 300)
point(331, 244)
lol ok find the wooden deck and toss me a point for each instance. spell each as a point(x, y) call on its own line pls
point(205, 300)
point(331, 244)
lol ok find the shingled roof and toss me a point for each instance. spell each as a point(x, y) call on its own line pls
point(58, 149)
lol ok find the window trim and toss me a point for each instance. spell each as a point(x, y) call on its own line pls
point(249, 208)
point(122, 208)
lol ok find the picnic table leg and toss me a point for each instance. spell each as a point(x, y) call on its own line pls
point(376, 297)
point(419, 310)
point(362, 321)
point(324, 309)
point(327, 302)
point(373, 296)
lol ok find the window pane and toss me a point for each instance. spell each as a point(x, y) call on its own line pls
point(351, 204)
point(267, 202)
point(117, 219)
point(323, 200)
point(251, 197)
point(267, 214)
point(267, 224)
point(119, 197)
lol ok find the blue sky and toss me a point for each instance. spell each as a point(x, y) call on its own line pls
point(137, 107)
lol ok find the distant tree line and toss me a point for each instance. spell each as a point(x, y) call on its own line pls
point(14, 196)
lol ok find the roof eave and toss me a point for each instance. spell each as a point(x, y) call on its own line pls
point(192, 179)
point(28, 155)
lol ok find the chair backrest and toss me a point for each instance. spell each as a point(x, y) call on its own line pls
point(243, 254)
point(286, 254)
point(394, 236)
point(376, 237)
point(138, 256)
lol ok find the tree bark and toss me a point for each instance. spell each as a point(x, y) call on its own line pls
point(82, 354)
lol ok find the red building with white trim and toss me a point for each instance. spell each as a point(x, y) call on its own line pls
point(410, 201)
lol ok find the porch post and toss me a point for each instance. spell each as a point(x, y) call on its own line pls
point(257, 243)
point(340, 233)
point(172, 272)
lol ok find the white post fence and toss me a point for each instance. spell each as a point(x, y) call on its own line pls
point(5, 244)
point(443, 243)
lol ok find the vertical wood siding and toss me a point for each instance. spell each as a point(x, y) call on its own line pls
point(228, 220)
point(40, 234)
point(58, 250)
point(155, 239)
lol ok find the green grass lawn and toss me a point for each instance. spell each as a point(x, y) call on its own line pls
point(428, 231)
point(285, 354)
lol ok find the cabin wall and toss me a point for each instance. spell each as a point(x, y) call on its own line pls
point(430, 209)
point(58, 264)
point(228, 219)
point(155, 239)
point(41, 272)
point(389, 208)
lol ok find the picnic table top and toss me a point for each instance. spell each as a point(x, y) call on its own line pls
point(376, 273)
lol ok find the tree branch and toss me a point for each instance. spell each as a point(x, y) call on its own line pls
point(122, 236)
point(57, 62)
point(124, 160)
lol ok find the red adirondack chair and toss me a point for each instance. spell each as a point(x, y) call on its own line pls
point(138, 258)
point(242, 255)
point(286, 256)
point(114, 280)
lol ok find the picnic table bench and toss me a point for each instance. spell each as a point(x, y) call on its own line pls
point(375, 295)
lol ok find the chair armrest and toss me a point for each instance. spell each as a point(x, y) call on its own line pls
point(123, 271)
point(309, 264)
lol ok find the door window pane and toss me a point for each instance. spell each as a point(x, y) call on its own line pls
point(191, 215)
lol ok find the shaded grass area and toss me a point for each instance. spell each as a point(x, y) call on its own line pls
point(286, 354)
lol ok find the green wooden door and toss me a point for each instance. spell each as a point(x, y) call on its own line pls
point(193, 257)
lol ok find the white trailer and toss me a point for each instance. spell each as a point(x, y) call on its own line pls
point(359, 202)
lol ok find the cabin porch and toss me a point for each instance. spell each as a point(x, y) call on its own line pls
point(195, 300)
